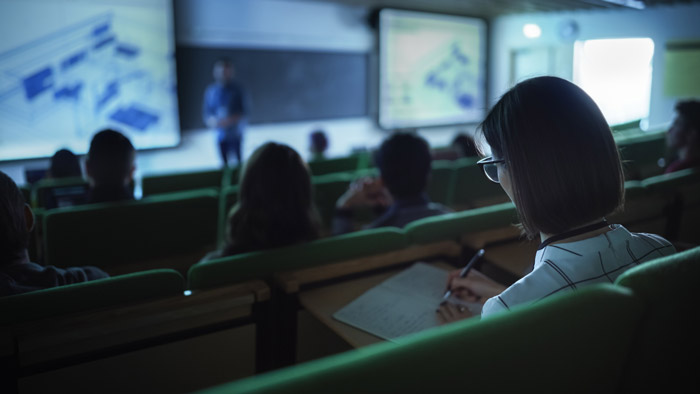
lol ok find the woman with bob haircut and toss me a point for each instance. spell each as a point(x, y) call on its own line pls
point(275, 203)
point(554, 155)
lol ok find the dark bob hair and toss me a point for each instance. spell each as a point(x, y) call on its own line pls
point(559, 153)
point(275, 206)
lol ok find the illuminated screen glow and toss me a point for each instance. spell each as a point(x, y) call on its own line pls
point(431, 69)
point(69, 68)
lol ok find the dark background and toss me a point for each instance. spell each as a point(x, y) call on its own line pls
point(283, 85)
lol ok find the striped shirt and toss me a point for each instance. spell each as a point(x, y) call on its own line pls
point(565, 267)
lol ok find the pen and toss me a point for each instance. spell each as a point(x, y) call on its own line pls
point(465, 270)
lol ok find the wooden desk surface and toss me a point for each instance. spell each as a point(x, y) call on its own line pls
point(323, 302)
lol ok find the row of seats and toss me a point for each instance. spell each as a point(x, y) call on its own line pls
point(175, 230)
point(633, 336)
point(52, 337)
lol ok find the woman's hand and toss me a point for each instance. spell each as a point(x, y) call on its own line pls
point(475, 287)
point(448, 313)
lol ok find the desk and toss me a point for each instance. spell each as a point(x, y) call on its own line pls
point(323, 302)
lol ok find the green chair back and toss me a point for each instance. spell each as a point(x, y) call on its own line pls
point(59, 192)
point(334, 165)
point(471, 187)
point(452, 226)
point(662, 358)
point(80, 297)
point(681, 192)
point(263, 264)
point(640, 154)
point(168, 183)
point(159, 227)
point(576, 342)
point(441, 182)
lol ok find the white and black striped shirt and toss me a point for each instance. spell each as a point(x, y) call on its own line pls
point(571, 265)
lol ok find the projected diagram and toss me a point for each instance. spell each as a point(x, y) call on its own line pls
point(63, 87)
point(431, 70)
point(452, 77)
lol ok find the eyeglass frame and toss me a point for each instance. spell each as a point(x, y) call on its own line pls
point(489, 160)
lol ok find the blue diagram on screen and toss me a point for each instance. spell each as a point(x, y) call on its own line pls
point(452, 76)
point(109, 69)
point(85, 66)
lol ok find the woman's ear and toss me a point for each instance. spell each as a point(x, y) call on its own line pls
point(29, 217)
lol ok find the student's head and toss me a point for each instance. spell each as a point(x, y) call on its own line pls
point(110, 160)
point(561, 165)
point(64, 164)
point(275, 202)
point(404, 161)
point(319, 142)
point(465, 144)
point(224, 70)
point(16, 221)
point(685, 129)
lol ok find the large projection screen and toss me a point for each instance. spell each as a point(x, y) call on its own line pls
point(431, 69)
point(69, 68)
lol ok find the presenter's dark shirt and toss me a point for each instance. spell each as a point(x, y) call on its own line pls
point(23, 276)
point(224, 100)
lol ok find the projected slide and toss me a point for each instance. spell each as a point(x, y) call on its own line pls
point(432, 69)
point(69, 68)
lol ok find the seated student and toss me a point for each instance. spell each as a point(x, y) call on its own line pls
point(17, 273)
point(318, 145)
point(404, 161)
point(275, 203)
point(554, 155)
point(110, 167)
point(64, 164)
point(684, 136)
point(465, 146)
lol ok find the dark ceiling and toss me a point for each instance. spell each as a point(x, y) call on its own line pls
point(493, 8)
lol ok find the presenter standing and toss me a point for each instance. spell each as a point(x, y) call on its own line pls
point(225, 109)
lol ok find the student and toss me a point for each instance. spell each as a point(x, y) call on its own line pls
point(17, 273)
point(64, 164)
point(275, 203)
point(554, 155)
point(465, 146)
point(318, 145)
point(684, 136)
point(110, 167)
point(404, 162)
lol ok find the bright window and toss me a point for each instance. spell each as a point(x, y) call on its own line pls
point(616, 73)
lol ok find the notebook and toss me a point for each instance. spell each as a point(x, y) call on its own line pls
point(401, 305)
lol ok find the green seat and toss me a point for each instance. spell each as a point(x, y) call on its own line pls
point(643, 211)
point(441, 182)
point(452, 226)
point(681, 192)
point(327, 190)
point(471, 187)
point(571, 343)
point(170, 231)
point(662, 359)
point(334, 165)
point(81, 297)
point(263, 264)
point(168, 183)
point(59, 192)
point(640, 154)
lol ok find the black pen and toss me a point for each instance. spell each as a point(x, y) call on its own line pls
point(465, 270)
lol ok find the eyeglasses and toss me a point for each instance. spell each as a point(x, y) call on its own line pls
point(488, 164)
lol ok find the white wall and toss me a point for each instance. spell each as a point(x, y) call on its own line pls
point(660, 24)
point(272, 24)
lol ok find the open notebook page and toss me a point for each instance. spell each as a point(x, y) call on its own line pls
point(401, 305)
